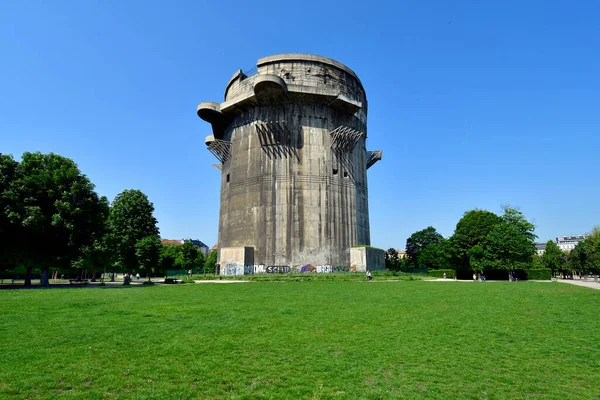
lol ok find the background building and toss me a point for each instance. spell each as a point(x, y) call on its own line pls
point(540, 248)
point(568, 243)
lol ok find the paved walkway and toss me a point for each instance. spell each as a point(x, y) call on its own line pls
point(589, 283)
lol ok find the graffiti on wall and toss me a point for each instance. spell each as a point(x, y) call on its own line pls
point(278, 269)
point(233, 269)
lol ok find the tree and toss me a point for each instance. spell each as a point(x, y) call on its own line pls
point(10, 221)
point(189, 256)
point(552, 257)
point(199, 262)
point(418, 241)
point(97, 255)
point(510, 244)
point(436, 256)
point(476, 256)
point(60, 213)
point(472, 230)
point(592, 240)
point(581, 258)
point(514, 217)
point(391, 259)
point(211, 262)
point(131, 220)
point(170, 254)
point(147, 251)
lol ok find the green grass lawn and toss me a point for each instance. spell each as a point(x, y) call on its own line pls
point(315, 340)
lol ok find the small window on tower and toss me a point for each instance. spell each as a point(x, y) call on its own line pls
point(345, 174)
point(227, 178)
point(335, 171)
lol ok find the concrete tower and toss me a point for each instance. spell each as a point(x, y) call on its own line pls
point(290, 140)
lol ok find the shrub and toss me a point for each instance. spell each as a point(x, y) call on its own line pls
point(439, 273)
point(542, 274)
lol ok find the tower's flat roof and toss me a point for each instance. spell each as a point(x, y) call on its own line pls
point(306, 57)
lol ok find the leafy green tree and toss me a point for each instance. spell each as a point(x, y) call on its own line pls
point(472, 230)
point(189, 256)
point(514, 217)
point(97, 255)
point(436, 256)
point(211, 262)
point(476, 258)
point(199, 262)
point(147, 251)
point(580, 258)
point(418, 241)
point(170, 256)
point(60, 214)
point(391, 259)
point(510, 244)
point(592, 240)
point(131, 219)
point(10, 218)
point(552, 257)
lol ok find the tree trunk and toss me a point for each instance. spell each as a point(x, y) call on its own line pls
point(44, 279)
point(94, 275)
point(28, 276)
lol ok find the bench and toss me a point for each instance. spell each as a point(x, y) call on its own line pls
point(171, 280)
point(78, 281)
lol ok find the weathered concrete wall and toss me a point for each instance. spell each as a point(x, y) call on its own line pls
point(367, 258)
point(235, 260)
point(287, 189)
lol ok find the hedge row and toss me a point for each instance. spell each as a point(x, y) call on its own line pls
point(542, 274)
point(439, 273)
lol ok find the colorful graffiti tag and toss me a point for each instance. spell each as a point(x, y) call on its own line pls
point(233, 269)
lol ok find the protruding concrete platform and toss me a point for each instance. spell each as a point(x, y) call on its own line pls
point(210, 111)
point(269, 85)
point(373, 156)
point(346, 105)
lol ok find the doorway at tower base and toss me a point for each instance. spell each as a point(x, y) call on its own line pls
point(240, 261)
point(367, 258)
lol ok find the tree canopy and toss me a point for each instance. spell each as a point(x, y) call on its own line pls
point(419, 241)
point(472, 230)
point(552, 257)
point(131, 220)
point(49, 209)
point(147, 251)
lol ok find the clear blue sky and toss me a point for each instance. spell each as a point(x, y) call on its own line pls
point(475, 104)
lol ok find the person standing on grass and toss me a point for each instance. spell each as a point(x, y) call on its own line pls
point(369, 277)
point(482, 277)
